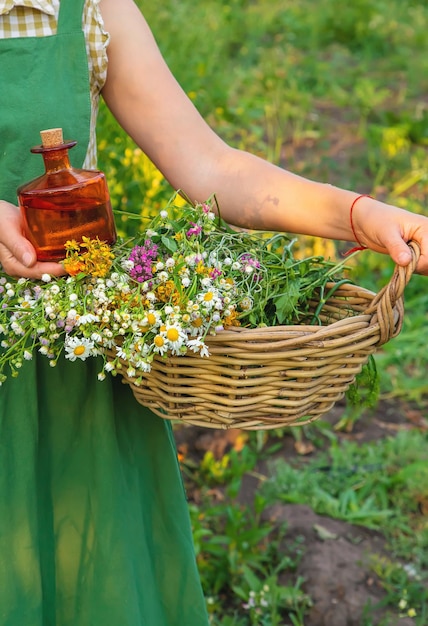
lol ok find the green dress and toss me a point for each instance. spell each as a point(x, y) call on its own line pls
point(94, 525)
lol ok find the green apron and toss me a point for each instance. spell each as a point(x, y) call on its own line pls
point(94, 526)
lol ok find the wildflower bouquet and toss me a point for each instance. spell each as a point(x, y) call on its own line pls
point(184, 277)
point(207, 324)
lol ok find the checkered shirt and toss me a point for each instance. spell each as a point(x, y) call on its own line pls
point(38, 18)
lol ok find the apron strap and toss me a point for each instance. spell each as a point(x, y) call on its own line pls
point(70, 16)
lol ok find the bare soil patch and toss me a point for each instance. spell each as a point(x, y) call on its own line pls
point(336, 560)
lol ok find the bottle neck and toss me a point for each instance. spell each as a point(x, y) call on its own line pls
point(56, 160)
point(55, 157)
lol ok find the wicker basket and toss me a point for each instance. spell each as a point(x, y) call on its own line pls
point(279, 376)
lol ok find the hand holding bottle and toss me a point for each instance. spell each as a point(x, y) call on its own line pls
point(17, 255)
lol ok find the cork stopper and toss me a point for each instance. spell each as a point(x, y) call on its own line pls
point(51, 137)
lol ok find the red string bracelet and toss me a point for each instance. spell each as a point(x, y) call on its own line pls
point(351, 211)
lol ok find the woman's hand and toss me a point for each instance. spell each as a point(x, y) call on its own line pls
point(386, 228)
point(17, 255)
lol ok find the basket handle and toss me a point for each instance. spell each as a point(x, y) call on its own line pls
point(387, 307)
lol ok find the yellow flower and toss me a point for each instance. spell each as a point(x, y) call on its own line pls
point(159, 341)
point(168, 293)
point(95, 261)
point(172, 334)
point(200, 268)
point(231, 320)
point(72, 245)
point(73, 266)
point(151, 318)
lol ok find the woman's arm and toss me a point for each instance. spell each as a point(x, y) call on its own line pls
point(151, 106)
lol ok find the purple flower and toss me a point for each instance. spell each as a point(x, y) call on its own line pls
point(142, 258)
point(195, 230)
point(248, 259)
point(215, 273)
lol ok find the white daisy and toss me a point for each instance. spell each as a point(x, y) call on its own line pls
point(78, 348)
point(176, 337)
point(144, 366)
point(198, 345)
point(88, 318)
point(122, 354)
point(160, 345)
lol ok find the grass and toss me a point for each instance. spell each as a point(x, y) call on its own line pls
point(240, 554)
point(337, 93)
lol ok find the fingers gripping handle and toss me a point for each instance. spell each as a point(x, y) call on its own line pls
point(387, 307)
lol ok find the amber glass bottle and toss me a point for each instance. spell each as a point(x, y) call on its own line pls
point(65, 203)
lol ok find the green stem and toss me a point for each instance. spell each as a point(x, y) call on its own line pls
point(323, 300)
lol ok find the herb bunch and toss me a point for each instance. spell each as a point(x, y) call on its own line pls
point(184, 276)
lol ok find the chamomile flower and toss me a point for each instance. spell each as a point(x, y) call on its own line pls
point(28, 302)
point(78, 348)
point(176, 337)
point(209, 299)
point(143, 366)
point(88, 318)
point(198, 345)
point(160, 344)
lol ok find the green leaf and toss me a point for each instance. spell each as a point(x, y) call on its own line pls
point(170, 244)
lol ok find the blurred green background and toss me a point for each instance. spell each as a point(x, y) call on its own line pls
point(336, 92)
